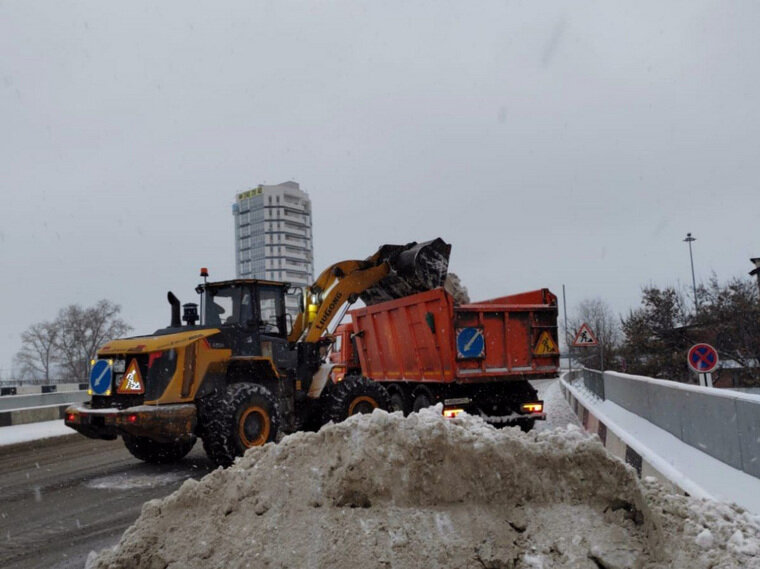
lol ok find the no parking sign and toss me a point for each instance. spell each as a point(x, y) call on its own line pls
point(702, 358)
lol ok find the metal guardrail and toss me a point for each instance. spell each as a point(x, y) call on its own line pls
point(19, 382)
point(41, 400)
point(27, 389)
point(37, 407)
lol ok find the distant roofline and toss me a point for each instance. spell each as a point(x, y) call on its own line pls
point(256, 190)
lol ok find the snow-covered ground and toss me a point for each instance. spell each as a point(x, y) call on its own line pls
point(558, 412)
point(697, 473)
point(382, 490)
point(33, 431)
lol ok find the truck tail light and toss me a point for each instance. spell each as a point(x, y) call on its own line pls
point(132, 418)
point(536, 407)
point(451, 413)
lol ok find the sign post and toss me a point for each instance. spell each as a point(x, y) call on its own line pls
point(703, 359)
point(585, 338)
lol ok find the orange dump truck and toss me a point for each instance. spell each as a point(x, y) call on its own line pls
point(474, 357)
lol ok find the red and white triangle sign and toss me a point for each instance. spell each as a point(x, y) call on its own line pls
point(585, 337)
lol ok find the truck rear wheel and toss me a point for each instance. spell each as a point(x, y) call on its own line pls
point(355, 395)
point(399, 400)
point(421, 398)
point(148, 450)
point(243, 417)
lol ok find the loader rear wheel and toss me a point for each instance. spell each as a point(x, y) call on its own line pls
point(355, 395)
point(148, 450)
point(242, 417)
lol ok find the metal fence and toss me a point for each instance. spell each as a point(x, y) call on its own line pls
point(20, 382)
point(594, 382)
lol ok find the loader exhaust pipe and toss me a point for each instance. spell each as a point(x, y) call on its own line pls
point(174, 301)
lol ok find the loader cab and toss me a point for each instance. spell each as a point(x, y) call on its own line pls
point(245, 303)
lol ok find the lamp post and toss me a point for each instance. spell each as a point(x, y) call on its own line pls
point(689, 239)
point(756, 270)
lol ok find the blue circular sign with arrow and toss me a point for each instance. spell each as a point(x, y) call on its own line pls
point(470, 343)
point(100, 377)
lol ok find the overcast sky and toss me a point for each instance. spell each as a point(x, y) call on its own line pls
point(549, 142)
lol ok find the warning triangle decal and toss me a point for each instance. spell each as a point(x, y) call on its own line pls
point(585, 337)
point(546, 345)
point(132, 382)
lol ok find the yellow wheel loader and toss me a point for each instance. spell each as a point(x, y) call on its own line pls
point(240, 370)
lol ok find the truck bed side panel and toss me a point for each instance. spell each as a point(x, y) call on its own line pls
point(415, 338)
point(406, 339)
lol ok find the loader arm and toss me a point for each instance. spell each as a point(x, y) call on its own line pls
point(392, 272)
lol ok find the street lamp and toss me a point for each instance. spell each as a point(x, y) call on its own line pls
point(689, 240)
point(756, 270)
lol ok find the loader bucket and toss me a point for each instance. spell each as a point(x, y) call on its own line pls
point(415, 267)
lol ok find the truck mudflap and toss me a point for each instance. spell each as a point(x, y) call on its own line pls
point(162, 423)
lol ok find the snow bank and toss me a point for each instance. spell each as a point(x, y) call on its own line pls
point(381, 490)
point(16, 434)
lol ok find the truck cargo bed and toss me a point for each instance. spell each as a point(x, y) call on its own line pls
point(426, 338)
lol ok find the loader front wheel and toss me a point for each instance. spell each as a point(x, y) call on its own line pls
point(148, 450)
point(355, 395)
point(243, 417)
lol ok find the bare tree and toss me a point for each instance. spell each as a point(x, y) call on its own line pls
point(606, 327)
point(37, 356)
point(82, 331)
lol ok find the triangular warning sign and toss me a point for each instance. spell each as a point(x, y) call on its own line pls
point(585, 337)
point(546, 345)
point(132, 382)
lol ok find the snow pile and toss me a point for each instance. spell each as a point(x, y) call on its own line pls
point(381, 490)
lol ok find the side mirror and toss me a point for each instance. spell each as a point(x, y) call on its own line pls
point(289, 320)
point(298, 293)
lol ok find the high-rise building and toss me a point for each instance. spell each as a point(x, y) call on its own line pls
point(273, 238)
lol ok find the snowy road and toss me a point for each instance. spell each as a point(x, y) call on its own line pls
point(61, 498)
point(558, 412)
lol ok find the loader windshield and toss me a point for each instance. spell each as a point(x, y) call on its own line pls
point(228, 305)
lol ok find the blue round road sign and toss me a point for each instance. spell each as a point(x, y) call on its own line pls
point(702, 358)
point(470, 343)
point(100, 377)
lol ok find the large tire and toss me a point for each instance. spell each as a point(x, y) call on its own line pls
point(399, 401)
point(155, 452)
point(354, 395)
point(421, 398)
point(242, 417)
